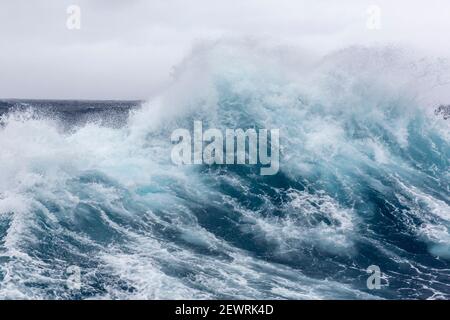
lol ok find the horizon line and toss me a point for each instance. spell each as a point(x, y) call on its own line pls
point(69, 99)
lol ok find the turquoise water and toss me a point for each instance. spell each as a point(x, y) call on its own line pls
point(364, 180)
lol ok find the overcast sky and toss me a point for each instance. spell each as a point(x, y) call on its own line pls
point(126, 49)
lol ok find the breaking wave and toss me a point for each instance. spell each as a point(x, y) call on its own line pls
point(364, 180)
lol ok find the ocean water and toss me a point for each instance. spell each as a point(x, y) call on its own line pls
point(364, 180)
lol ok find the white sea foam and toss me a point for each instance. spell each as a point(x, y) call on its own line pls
point(331, 115)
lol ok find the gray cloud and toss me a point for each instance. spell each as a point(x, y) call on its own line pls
point(126, 49)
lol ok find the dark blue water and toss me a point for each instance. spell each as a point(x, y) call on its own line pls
point(363, 181)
